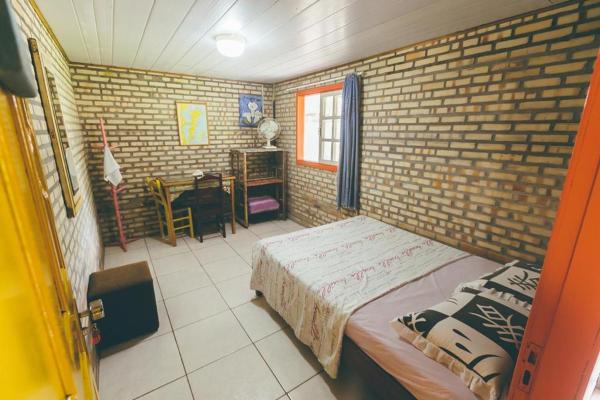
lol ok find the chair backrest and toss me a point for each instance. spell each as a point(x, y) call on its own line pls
point(157, 193)
point(208, 189)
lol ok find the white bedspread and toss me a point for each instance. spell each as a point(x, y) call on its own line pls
point(316, 278)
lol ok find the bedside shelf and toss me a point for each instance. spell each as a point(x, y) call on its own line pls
point(259, 172)
point(263, 181)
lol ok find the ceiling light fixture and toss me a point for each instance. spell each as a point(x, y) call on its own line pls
point(230, 44)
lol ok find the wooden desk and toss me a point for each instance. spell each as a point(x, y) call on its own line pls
point(182, 181)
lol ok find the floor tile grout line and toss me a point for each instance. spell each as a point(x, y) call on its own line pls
point(182, 362)
point(259, 353)
point(218, 359)
point(158, 387)
point(204, 287)
point(229, 308)
point(177, 345)
point(248, 335)
point(187, 379)
point(200, 320)
point(270, 369)
point(187, 292)
point(169, 319)
point(285, 392)
point(289, 328)
point(167, 244)
point(303, 382)
point(179, 270)
point(212, 282)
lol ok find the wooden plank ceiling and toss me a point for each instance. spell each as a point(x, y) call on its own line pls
point(285, 38)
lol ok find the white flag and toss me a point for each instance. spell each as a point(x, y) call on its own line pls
point(112, 171)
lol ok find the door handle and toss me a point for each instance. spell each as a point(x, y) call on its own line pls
point(95, 310)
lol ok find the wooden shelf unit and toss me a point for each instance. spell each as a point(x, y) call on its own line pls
point(263, 181)
point(254, 168)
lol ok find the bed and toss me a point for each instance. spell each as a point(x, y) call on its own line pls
point(354, 304)
point(368, 329)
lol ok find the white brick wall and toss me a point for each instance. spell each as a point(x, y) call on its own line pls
point(79, 236)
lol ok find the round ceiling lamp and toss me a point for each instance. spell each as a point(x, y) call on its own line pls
point(230, 44)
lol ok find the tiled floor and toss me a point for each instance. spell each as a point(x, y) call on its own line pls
point(216, 339)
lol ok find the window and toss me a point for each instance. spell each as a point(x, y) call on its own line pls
point(318, 124)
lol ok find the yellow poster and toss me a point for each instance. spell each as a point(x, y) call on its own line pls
point(193, 123)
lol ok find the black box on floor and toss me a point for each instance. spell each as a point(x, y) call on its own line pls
point(130, 310)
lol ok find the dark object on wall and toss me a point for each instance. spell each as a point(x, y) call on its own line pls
point(129, 303)
point(16, 74)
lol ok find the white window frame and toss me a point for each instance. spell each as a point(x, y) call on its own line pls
point(333, 118)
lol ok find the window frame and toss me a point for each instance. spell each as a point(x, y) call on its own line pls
point(333, 118)
point(300, 95)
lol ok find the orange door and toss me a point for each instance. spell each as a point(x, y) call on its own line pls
point(560, 345)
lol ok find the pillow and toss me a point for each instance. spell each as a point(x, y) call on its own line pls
point(518, 278)
point(476, 336)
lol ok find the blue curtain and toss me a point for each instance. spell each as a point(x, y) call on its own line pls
point(347, 178)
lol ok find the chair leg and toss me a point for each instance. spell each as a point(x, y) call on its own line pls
point(191, 222)
point(199, 228)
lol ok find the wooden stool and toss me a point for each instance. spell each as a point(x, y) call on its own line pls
point(130, 310)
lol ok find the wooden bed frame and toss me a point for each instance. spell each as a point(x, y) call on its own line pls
point(379, 381)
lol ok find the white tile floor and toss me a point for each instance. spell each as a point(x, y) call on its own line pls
point(216, 339)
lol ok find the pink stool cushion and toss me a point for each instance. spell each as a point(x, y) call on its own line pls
point(261, 204)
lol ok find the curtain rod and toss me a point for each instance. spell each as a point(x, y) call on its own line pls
point(339, 78)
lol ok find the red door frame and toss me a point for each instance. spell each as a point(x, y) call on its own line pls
point(561, 341)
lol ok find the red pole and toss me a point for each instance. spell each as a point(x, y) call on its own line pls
point(115, 198)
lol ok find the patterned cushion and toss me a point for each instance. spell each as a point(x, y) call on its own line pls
point(518, 278)
point(476, 336)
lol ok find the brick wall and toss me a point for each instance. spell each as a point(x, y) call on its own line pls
point(79, 236)
point(139, 110)
point(465, 138)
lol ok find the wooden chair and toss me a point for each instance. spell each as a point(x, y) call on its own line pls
point(179, 219)
point(209, 203)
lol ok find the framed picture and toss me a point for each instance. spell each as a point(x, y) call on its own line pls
point(192, 120)
point(63, 155)
point(251, 110)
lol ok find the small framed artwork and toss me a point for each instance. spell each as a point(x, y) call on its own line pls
point(251, 110)
point(192, 120)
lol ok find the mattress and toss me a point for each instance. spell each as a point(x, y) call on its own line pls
point(369, 329)
point(316, 278)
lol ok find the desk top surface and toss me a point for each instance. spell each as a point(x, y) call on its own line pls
point(185, 179)
point(259, 150)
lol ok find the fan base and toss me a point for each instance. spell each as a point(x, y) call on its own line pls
point(269, 145)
